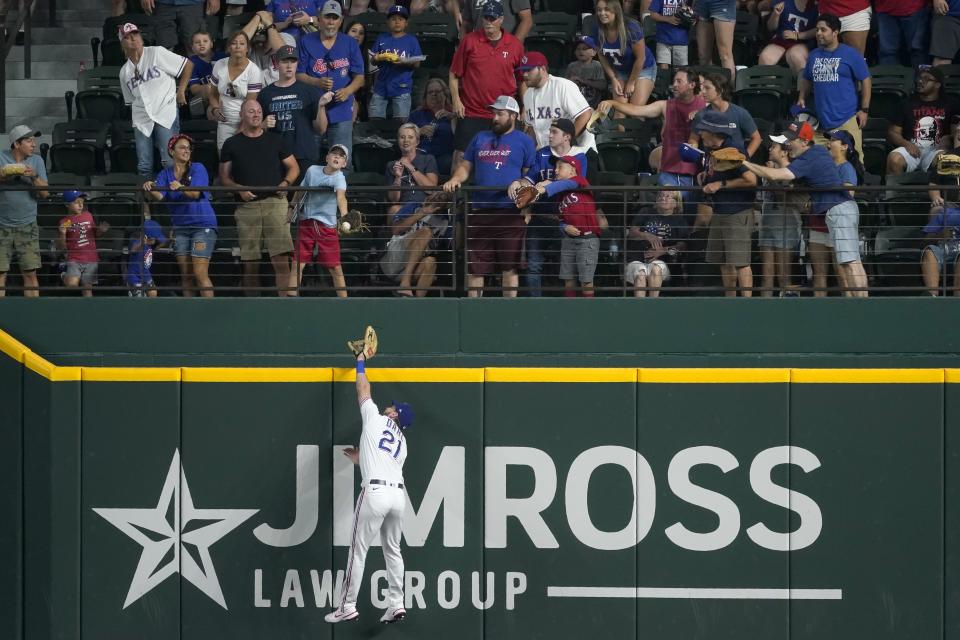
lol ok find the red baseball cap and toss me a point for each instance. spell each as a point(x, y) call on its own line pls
point(126, 29)
point(573, 162)
point(531, 60)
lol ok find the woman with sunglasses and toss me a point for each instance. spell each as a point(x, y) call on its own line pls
point(233, 79)
point(194, 222)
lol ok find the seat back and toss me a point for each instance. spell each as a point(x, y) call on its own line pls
point(81, 130)
point(555, 24)
point(555, 50)
point(432, 25)
point(102, 77)
point(102, 105)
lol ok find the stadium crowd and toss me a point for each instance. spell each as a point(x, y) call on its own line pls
point(423, 96)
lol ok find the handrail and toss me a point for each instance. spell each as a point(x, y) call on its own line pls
point(24, 19)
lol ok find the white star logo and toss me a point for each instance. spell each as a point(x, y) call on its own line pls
point(153, 530)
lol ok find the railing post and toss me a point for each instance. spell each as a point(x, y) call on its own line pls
point(27, 26)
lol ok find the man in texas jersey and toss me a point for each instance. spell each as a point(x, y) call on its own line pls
point(380, 505)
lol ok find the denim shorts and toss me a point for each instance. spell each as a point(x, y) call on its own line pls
point(946, 252)
point(377, 107)
point(196, 242)
point(722, 10)
point(650, 73)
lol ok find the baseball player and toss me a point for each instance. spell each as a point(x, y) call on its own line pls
point(380, 505)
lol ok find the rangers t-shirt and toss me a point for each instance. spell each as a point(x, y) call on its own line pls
point(341, 62)
point(497, 161)
point(80, 237)
point(395, 80)
point(670, 34)
point(486, 71)
point(557, 98)
point(150, 88)
point(383, 447)
point(622, 61)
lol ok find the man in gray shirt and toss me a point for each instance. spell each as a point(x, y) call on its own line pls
point(19, 234)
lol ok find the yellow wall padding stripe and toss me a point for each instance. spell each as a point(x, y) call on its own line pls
point(131, 374)
point(451, 374)
point(951, 375)
point(12, 347)
point(249, 374)
point(43, 367)
point(867, 376)
point(714, 376)
point(543, 374)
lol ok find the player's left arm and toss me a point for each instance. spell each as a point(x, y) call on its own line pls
point(363, 385)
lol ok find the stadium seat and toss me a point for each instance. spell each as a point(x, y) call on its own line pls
point(123, 150)
point(555, 24)
point(891, 85)
point(572, 7)
point(661, 86)
point(555, 50)
point(622, 155)
point(232, 24)
point(102, 77)
point(79, 146)
point(373, 25)
point(200, 130)
point(370, 158)
point(765, 91)
point(951, 79)
point(66, 180)
point(103, 105)
point(120, 210)
point(875, 145)
point(745, 34)
point(439, 51)
point(432, 25)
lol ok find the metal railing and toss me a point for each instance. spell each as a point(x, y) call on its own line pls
point(902, 250)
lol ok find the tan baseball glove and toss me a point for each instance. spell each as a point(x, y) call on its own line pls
point(525, 196)
point(353, 222)
point(367, 345)
point(727, 158)
point(948, 164)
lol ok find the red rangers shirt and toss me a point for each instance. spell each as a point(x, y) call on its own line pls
point(578, 208)
point(81, 245)
point(486, 71)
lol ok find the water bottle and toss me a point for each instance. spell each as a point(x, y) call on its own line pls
point(614, 250)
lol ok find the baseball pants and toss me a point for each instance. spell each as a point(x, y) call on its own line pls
point(379, 508)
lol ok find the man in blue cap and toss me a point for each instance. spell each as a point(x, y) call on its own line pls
point(728, 197)
point(381, 503)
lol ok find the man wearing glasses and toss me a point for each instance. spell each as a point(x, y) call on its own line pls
point(331, 61)
point(923, 128)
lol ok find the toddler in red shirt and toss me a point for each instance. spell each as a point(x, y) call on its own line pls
point(78, 238)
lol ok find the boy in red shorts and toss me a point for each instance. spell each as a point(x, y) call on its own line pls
point(319, 216)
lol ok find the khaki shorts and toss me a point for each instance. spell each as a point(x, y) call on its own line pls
point(850, 126)
point(729, 239)
point(263, 223)
point(22, 243)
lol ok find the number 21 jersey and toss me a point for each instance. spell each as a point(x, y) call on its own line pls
point(383, 449)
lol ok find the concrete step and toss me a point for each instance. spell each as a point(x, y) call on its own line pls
point(39, 88)
point(67, 54)
point(64, 35)
point(80, 17)
point(48, 70)
point(23, 108)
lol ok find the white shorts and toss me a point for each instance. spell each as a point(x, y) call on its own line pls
point(820, 237)
point(924, 161)
point(637, 268)
point(675, 55)
point(859, 21)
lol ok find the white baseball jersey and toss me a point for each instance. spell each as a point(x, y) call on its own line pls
point(557, 98)
point(383, 449)
point(232, 92)
point(150, 87)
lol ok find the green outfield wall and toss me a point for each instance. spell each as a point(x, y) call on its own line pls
point(678, 474)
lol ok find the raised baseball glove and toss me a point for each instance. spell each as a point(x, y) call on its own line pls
point(353, 222)
point(525, 196)
point(948, 164)
point(367, 345)
point(727, 158)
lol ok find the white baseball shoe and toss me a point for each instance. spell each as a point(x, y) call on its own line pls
point(339, 615)
point(393, 614)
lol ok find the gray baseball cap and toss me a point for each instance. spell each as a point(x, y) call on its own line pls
point(506, 103)
point(331, 7)
point(20, 132)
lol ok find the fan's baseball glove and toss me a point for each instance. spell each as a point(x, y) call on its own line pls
point(948, 164)
point(525, 196)
point(727, 158)
point(367, 345)
point(352, 223)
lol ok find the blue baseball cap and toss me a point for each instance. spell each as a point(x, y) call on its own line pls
point(73, 194)
point(716, 122)
point(152, 229)
point(689, 153)
point(398, 10)
point(842, 136)
point(404, 413)
point(491, 9)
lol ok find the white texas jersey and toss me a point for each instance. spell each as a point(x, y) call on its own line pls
point(558, 98)
point(150, 87)
point(383, 449)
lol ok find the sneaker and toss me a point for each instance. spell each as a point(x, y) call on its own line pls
point(394, 614)
point(339, 615)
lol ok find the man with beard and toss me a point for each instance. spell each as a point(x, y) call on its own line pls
point(677, 113)
point(482, 69)
point(331, 61)
point(495, 227)
point(927, 117)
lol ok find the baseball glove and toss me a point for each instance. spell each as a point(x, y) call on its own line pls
point(367, 345)
point(437, 199)
point(948, 164)
point(525, 196)
point(727, 158)
point(352, 223)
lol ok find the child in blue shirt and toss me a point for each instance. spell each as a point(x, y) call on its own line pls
point(140, 258)
point(673, 37)
point(202, 60)
point(318, 218)
point(394, 83)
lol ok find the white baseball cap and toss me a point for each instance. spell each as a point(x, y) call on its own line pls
point(506, 103)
